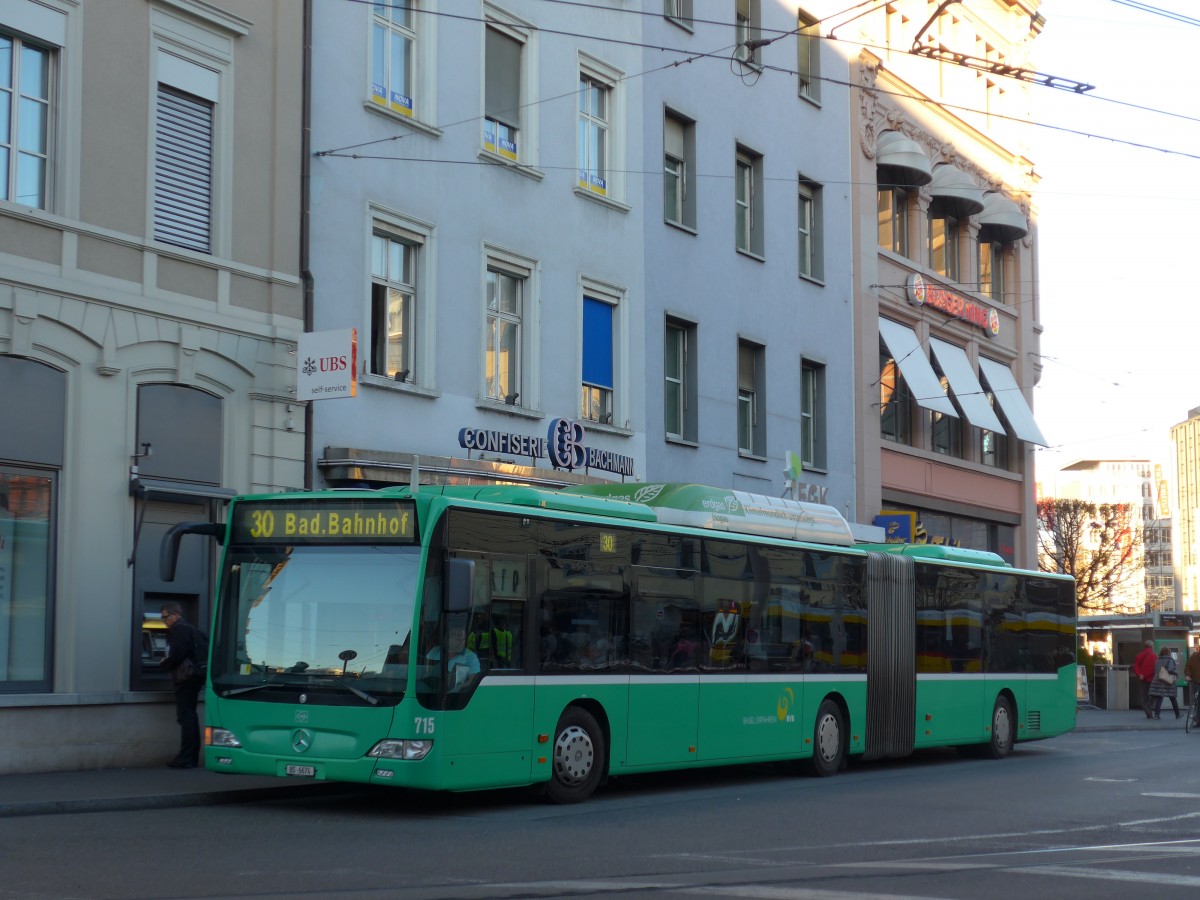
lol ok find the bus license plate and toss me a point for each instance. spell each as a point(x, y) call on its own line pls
point(302, 771)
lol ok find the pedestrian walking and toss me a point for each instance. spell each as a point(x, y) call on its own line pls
point(1163, 684)
point(1143, 669)
point(187, 657)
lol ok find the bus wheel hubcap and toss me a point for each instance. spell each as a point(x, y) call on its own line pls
point(828, 738)
point(573, 755)
point(1002, 727)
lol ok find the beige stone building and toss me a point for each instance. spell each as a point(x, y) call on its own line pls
point(946, 273)
point(1185, 520)
point(1141, 485)
point(150, 295)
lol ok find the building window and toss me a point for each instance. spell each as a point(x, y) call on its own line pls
point(393, 305)
point(26, 114)
point(751, 423)
point(748, 177)
point(993, 445)
point(35, 397)
point(679, 369)
point(808, 56)
point(679, 11)
point(945, 429)
point(394, 56)
point(812, 415)
point(679, 172)
point(809, 215)
point(991, 269)
point(505, 308)
point(594, 104)
point(893, 219)
point(26, 569)
point(601, 151)
point(183, 170)
point(746, 24)
point(504, 100)
point(895, 401)
point(943, 246)
point(598, 348)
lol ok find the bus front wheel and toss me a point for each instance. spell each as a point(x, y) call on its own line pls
point(829, 740)
point(1004, 729)
point(579, 757)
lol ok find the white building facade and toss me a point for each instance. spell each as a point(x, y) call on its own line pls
point(749, 303)
point(476, 216)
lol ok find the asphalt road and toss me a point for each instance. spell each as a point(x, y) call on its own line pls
point(1095, 815)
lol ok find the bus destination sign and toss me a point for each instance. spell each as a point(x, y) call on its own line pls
point(324, 521)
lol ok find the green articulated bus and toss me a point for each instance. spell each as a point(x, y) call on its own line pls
point(460, 638)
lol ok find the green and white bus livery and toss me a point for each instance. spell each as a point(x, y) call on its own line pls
point(461, 638)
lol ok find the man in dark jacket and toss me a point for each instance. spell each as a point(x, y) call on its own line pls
point(1144, 668)
point(185, 666)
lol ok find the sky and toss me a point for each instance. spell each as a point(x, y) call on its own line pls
point(1117, 229)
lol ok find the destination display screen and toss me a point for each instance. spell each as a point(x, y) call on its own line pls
point(334, 521)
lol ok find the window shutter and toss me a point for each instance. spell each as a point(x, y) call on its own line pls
point(503, 94)
point(183, 170)
point(745, 368)
point(673, 137)
point(597, 343)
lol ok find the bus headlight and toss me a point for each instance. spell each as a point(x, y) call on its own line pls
point(396, 749)
point(219, 737)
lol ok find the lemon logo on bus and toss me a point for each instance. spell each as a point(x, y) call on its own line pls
point(786, 699)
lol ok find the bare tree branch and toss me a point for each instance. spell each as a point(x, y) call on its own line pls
point(1100, 544)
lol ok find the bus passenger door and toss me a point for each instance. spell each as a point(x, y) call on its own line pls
point(664, 688)
point(493, 728)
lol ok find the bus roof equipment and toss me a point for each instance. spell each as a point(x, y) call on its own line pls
point(721, 509)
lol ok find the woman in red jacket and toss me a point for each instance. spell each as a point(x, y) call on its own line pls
point(1143, 668)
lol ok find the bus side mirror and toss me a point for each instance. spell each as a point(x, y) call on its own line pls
point(168, 552)
point(460, 584)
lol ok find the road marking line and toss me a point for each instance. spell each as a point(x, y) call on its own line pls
point(758, 892)
point(1111, 875)
point(1171, 796)
point(776, 893)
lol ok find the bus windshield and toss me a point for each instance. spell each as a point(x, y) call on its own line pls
point(311, 616)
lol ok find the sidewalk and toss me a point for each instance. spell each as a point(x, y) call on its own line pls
point(107, 790)
point(127, 789)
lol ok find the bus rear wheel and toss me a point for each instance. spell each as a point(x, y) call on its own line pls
point(579, 757)
point(829, 740)
point(1004, 729)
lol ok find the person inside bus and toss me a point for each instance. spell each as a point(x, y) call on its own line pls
point(495, 643)
point(803, 654)
point(462, 663)
point(683, 655)
point(594, 654)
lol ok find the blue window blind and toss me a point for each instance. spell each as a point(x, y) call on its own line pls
point(597, 343)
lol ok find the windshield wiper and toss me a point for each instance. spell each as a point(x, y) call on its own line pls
point(358, 692)
point(304, 685)
point(258, 687)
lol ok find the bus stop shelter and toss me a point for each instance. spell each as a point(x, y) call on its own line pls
point(1113, 684)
